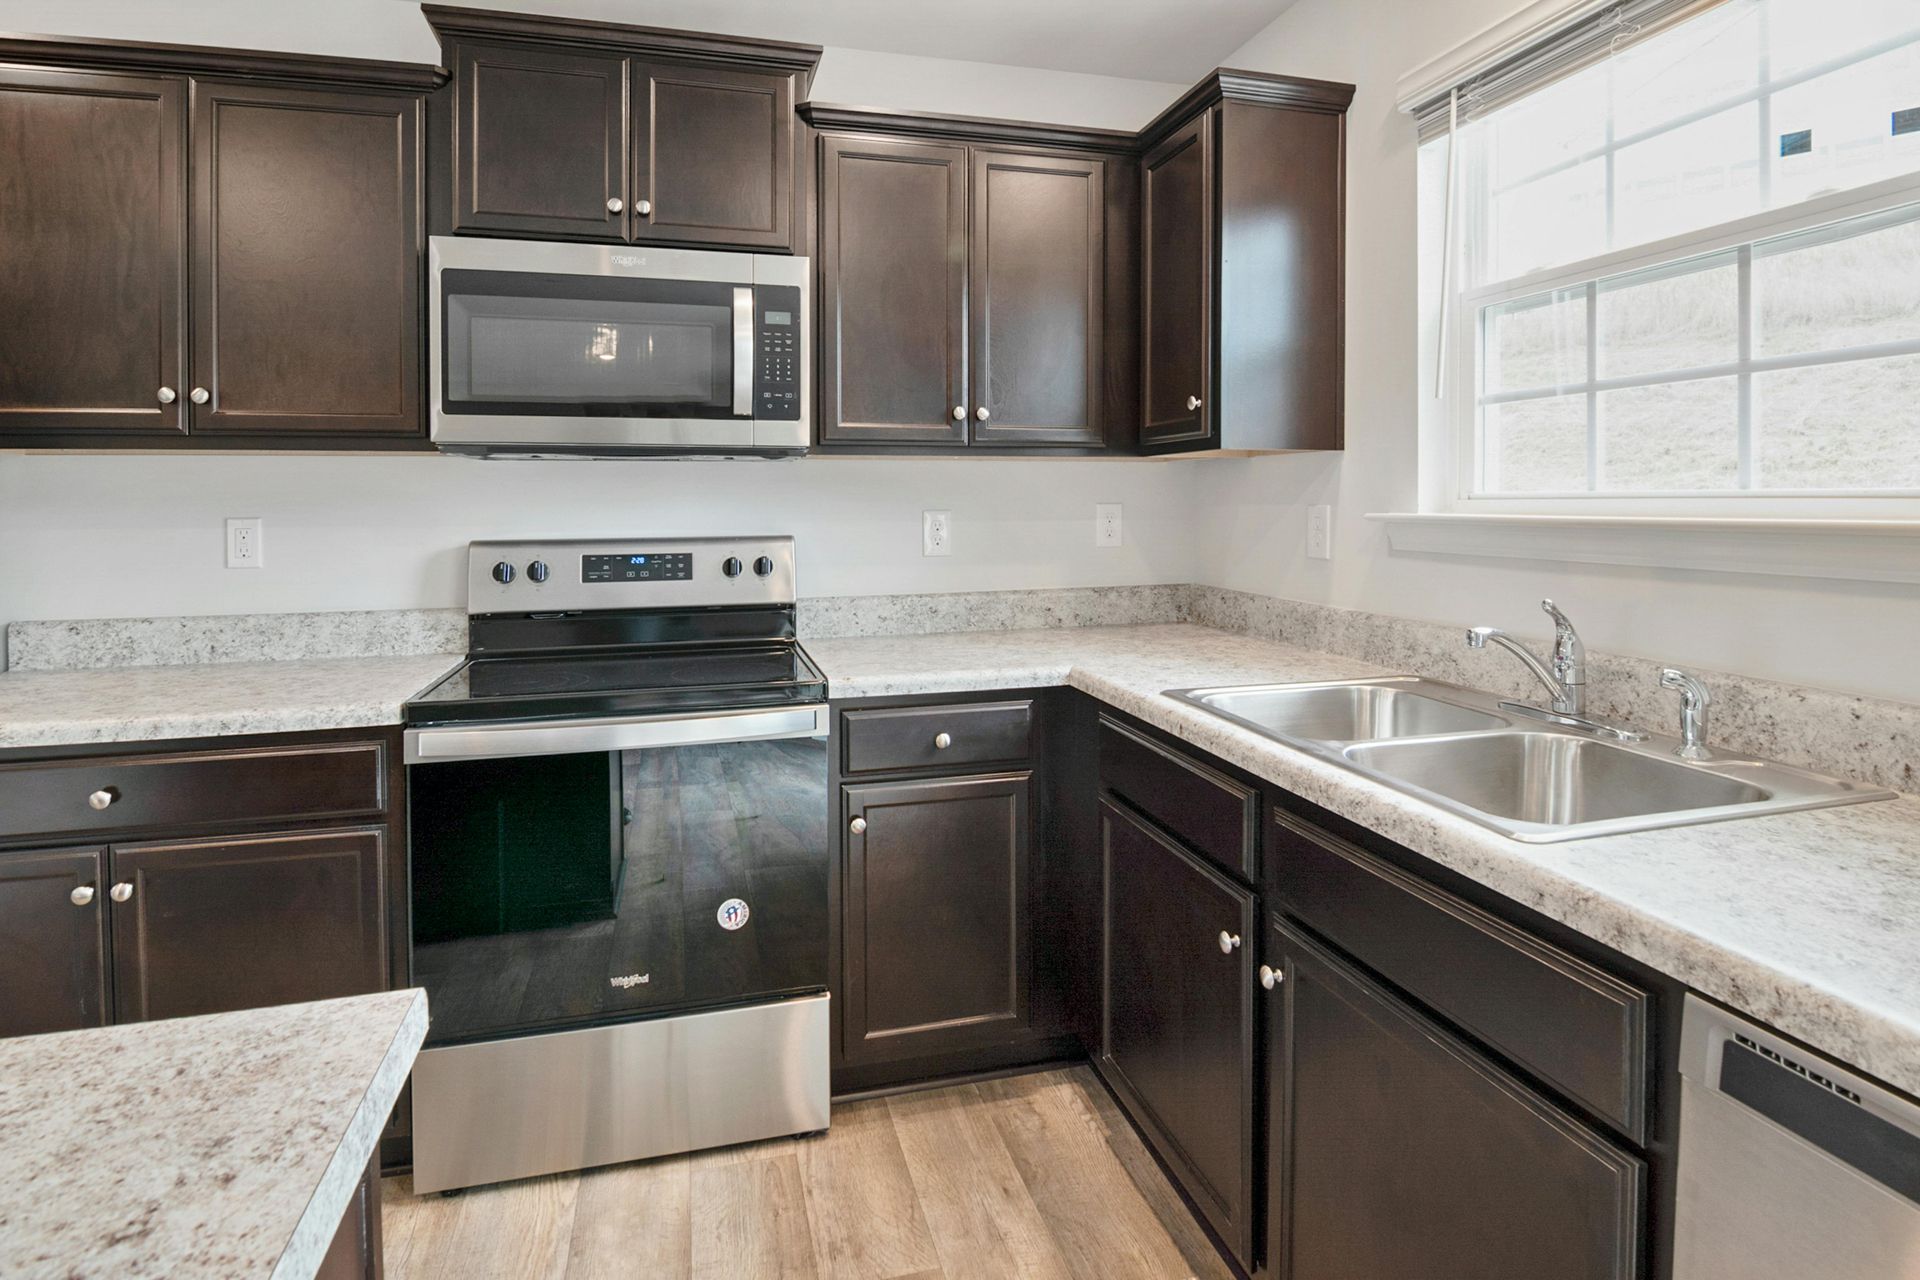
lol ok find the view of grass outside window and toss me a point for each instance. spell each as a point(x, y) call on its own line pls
point(1694, 267)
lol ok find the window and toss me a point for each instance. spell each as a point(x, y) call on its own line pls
point(1688, 273)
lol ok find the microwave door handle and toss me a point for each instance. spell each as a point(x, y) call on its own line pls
point(743, 353)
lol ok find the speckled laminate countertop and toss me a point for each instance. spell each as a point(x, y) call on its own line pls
point(1806, 921)
point(199, 700)
point(222, 1146)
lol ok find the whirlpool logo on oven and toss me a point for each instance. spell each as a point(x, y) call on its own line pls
point(627, 982)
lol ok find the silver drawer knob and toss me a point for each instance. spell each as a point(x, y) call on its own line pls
point(643, 207)
point(166, 395)
point(199, 395)
point(1193, 402)
point(616, 204)
point(120, 892)
point(1228, 941)
point(858, 826)
point(941, 741)
point(981, 413)
point(1270, 977)
point(102, 798)
point(82, 896)
point(959, 412)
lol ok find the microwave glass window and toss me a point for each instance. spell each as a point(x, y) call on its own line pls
point(585, 346)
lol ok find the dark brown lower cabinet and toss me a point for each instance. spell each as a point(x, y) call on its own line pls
point(53, 941)
point(355, 1251)
point(1177, 1038)
point(935, 915)
point(206, 926)
point(1395, 1149)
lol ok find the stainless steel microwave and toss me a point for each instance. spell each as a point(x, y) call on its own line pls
point(545, 349)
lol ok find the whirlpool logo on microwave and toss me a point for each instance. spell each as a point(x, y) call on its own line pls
point(628, 259)
point(628, 982)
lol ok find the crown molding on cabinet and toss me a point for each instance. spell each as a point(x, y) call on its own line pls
point(1229, 85)
point(449, 21)
point(234, 64)
point(975, 129)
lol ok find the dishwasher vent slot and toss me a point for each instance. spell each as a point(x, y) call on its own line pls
point(1781, 1060)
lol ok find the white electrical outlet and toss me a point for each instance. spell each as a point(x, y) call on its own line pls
point(936, 533)
point(1319, 533)
point(245, 548)
point(1106, 524)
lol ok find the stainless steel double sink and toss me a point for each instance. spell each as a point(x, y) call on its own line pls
point(1463, 751)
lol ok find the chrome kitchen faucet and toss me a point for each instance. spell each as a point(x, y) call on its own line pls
point(1566, 677)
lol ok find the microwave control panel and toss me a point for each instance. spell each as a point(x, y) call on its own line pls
point(777, 355)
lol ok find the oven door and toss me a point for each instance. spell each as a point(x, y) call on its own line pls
point(589, 886)
point(561, 348)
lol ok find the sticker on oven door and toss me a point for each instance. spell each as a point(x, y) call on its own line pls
point(732, 913)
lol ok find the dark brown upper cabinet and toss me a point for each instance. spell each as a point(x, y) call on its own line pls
point(977, 283)
point(1243, 259)
point(92, 254)
point(306, 255)
point(539, 142)
point(206, 249)
point(599, 131)
point(893, 292)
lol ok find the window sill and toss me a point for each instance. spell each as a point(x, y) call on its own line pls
point(1861, 550)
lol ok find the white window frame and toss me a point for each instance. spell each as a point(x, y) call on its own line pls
point(1463, 398)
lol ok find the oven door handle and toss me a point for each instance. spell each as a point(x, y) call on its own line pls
point(743, 353)
point(442, 743)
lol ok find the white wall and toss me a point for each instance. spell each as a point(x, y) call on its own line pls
point(1854, 636)
point(142, 535)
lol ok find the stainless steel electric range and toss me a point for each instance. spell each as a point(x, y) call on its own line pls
point(619, 861)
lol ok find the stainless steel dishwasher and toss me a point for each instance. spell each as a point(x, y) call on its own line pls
point(1791, 1168)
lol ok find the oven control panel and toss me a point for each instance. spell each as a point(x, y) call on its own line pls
point(637, 566)
point(777, 352)
point(632, 573)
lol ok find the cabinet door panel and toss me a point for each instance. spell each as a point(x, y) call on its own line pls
point(306, 261)
point(1177, 209)
point(893, 287)
point(936, 924)
point(241, 923)
point(540, 142)
point(1038, 263)
point(713, 156)
point(53, 970)
point(1177, 1038)
point(1398, 1151)
point(92, 248)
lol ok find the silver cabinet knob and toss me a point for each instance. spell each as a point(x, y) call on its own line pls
point(102, 798)
point(82, 896)
point(1270, 977)
point(981, 413)
point(1228, 941)
point(643, 207)
point(120, 892)
point(199, 395)
point(166, 395)
point(858, 826)
point(959, 412)
point(1193, 402)
point(941, 741)
point(616, 204)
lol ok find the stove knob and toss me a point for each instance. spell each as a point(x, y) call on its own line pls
point(537, 571)
point(731, 566)
point(764, 566)
point(503, 573)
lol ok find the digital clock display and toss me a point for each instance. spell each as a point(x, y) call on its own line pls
point(653, 567)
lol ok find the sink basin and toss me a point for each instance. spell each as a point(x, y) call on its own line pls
point(1473, 755)
point(1552, 779)
point(1347, 712)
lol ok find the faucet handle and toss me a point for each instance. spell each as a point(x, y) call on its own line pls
point(1560, 620)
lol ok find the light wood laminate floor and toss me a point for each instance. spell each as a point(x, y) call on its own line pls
point(1031, 1176)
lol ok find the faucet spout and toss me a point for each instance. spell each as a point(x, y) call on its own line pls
point(1563, 701)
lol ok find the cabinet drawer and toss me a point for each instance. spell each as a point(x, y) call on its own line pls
point(192, 790)
point(1574, 1026)
point(1201, 805)
point(910, 737)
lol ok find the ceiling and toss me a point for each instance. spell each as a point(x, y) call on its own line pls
point(1169, 40)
